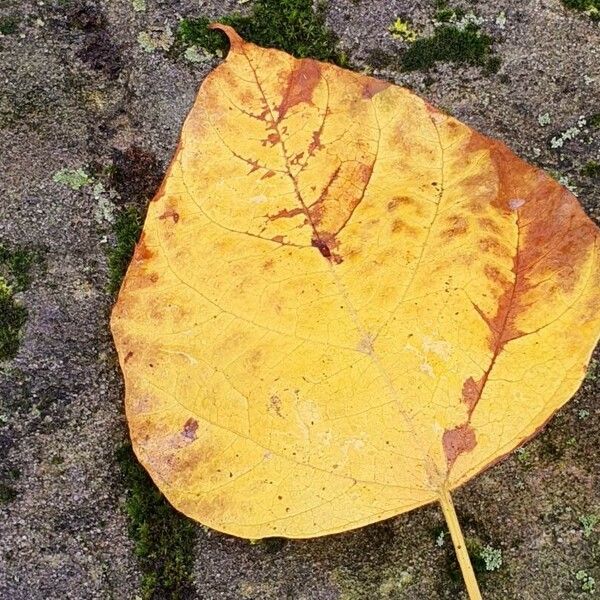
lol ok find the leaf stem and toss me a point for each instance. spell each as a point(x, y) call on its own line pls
point(459, 545)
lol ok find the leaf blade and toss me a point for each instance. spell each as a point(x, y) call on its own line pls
point(327, 316)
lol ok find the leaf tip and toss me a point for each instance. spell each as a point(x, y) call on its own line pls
point(235, 40)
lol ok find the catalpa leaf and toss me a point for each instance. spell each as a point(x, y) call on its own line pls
point(344, 303)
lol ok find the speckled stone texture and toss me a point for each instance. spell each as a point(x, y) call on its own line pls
point(77, 90)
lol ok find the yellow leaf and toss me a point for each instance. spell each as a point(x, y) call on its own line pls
point(344, 303)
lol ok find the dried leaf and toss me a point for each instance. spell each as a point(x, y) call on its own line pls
point(344, 303)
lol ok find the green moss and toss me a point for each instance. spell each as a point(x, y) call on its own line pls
point(523, 455)
point(195, 32)
point(126, 228)
point(15, 266)
point(493, 64)
point(591, 7)
point(290, 25)
point(444, 14)
point(484, 559)
point(451, 44)
point(12, 318)
point(475, 549)
point(15, 276)
point(594, 120)
point(8, 25)
point(591, 169)
point(7, 493)
point(164, 539)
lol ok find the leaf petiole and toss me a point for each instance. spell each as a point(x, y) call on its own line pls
point(459, 545)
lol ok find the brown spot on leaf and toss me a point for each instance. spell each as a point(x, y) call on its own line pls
point(547, 213)
point(142, 252)
point(489, 225)
point(317, 209)
point(272, 138)
point(372, 87)
point(393, 204)
point(189, 429)
point(255, 358)
point(300, 87)
point(470, 393)
point(398, 225)
point(333, 208)
point(322, 247)
point(254, 166)
point(397, 201)
point(523, 194)
point(210, 507)
point(297, 158)
point(315, 144)
point(475, 205)
point(457, 441)
point(492, 246)
point(287, 213)
point(170, 213)
point(458, 226)
point(275, 405)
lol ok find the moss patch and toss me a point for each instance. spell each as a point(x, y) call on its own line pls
point(12, 318)
point(591, 7)
point(195, 32)
point(7, 493)
point(126, 229)
point(445, 14)
point(594, 120)
point(8, 25)
point(591, 169)
point(450, 43)
point(164, 539)
point(15, 267)
point(15, 276)
point(290, 25)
